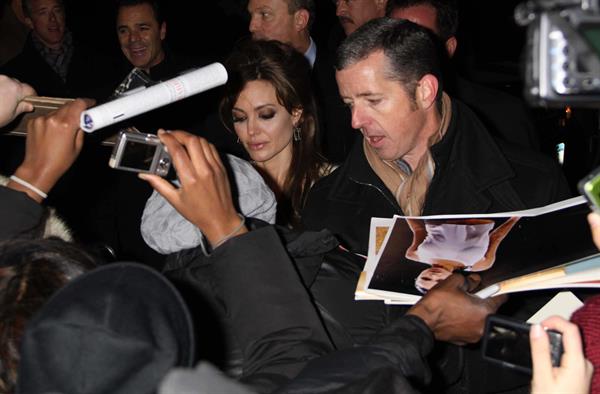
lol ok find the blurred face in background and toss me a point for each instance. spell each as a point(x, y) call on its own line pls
point(263, 125)
point(352, 14)
point(141, 36)
point(47, 20)
point(272, 20)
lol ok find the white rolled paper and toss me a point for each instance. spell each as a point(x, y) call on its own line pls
point(156, 96)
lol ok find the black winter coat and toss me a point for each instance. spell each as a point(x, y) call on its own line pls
point(474, 174)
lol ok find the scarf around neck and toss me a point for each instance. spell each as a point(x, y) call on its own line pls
point(409, 186)
point(58, 59)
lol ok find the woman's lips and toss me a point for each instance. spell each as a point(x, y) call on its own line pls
point(256, 145)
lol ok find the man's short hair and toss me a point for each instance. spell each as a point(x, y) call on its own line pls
point(309, 5)
point(446, 13)
point(155, 4)
point(412, 51)
point(26, 7)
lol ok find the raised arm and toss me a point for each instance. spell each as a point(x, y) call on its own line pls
point(53, 143)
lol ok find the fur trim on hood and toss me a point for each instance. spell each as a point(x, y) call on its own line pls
point(54, 225)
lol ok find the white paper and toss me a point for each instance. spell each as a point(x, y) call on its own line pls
point(156, 96)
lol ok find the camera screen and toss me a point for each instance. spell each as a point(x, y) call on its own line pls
point(509, 345)
point(591, 33)
point(138, 155)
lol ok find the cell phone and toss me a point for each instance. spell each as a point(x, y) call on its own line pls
point(506, 342)
point(589, 187)
point(139, 152)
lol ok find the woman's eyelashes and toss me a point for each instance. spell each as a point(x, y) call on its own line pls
point(267, 115)
point(237, 117)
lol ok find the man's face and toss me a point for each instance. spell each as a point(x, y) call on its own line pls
point(355, 13)
point(47, 20)
point(271, 20)
point(389, 119)
point(423, 15)
point(140, 35)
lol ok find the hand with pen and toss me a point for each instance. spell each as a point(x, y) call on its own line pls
point(453, 313)
point(12, 94)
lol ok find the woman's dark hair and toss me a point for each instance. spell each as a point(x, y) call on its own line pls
point(289, 73)
point(31, 271)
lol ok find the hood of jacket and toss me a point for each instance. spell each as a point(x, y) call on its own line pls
point(117, 329)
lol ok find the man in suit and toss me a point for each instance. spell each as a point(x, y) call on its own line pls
point(290, 21)
point(352, 14)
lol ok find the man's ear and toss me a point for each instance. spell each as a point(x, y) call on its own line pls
point(301, 19)
point(28, 22)
point(427, 90)
point(163, 30)
point(451, 44)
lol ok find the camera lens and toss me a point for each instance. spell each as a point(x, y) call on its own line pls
point(164, 162)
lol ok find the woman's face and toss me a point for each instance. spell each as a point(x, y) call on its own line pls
point(431, 277)
point(262, 124)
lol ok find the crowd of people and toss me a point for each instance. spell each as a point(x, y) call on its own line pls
point(246, 263)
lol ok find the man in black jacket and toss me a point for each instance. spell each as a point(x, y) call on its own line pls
point(142, 30)
point(422, 152)
point(52, 61)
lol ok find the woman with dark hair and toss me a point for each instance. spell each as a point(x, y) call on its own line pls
point(31, 270)
point(270, 106)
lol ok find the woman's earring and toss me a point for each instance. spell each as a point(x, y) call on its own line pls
point(297, 135)
point(238, 140)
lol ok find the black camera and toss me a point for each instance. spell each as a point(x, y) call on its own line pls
point(506, 342)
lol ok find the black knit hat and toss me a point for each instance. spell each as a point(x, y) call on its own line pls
point(117, 329)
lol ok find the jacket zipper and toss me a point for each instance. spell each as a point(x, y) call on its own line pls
point(394, 204)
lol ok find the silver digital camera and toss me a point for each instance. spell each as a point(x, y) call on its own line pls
point(139, 152)
point(562, 53)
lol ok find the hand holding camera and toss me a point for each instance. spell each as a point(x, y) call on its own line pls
point(575, 371)
point(204, 197)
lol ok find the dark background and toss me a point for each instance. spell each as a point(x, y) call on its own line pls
point(490, 51)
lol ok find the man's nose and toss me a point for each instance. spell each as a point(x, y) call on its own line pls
point(254, 24)
point(358, 118)
point(134, 36)
point(340, 8)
